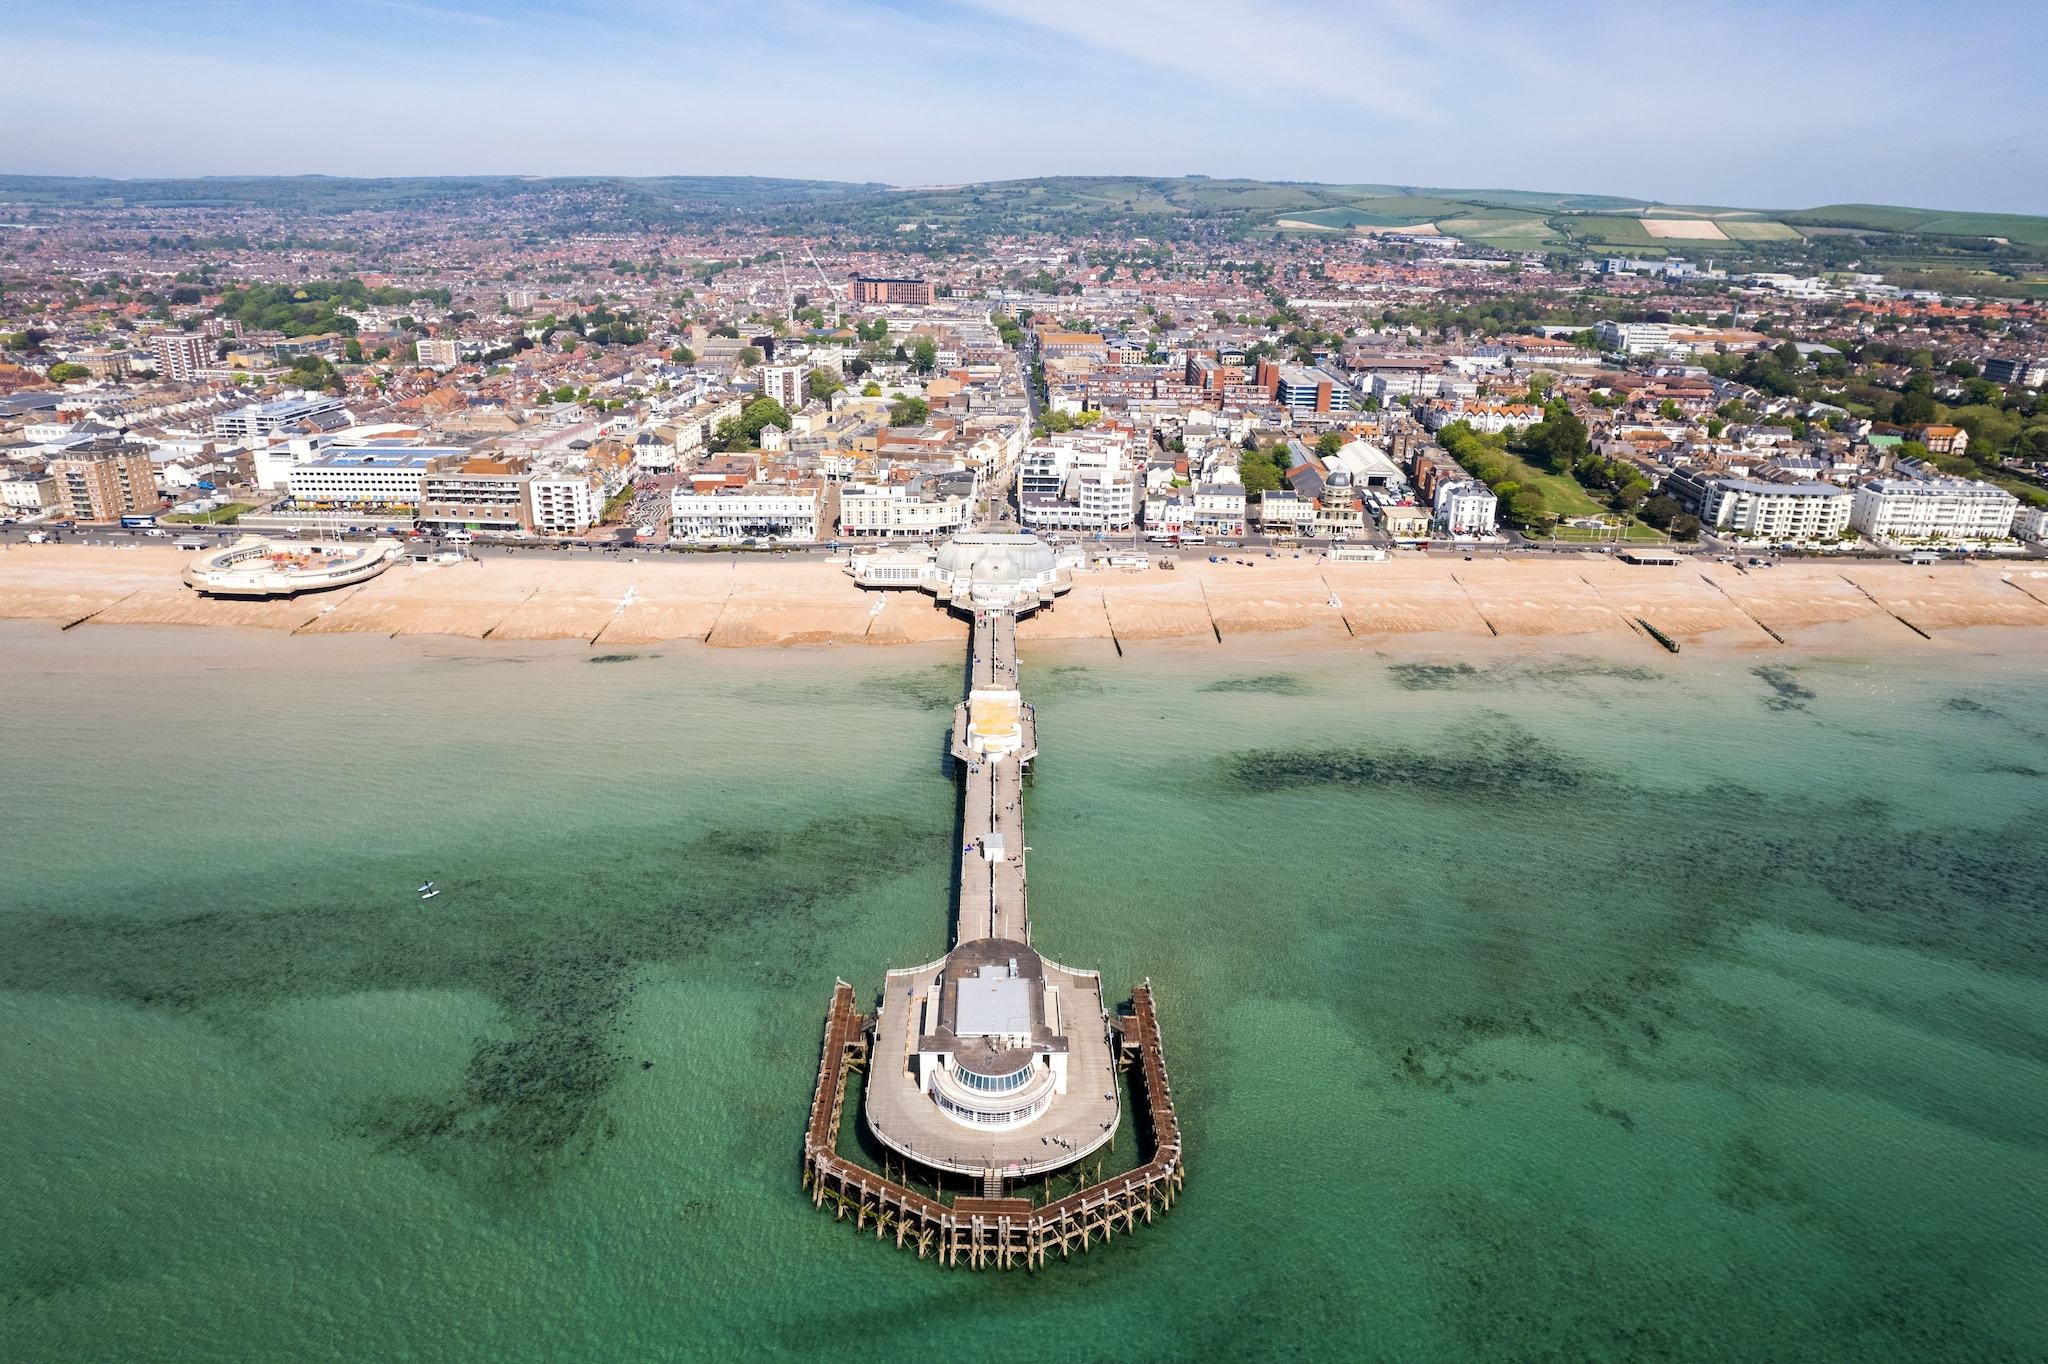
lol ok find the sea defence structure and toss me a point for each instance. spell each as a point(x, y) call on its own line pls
point(993, 1063)
point(255, 567)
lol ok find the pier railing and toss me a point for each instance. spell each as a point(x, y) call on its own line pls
point(991, 1232)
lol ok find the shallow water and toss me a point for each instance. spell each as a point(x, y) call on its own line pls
point(1518, 1007)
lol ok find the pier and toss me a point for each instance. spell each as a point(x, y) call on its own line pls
point(993, 1064)
point(991, 1232)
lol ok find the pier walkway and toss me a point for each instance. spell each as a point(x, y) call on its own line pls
point(992, 890)
point(993, 1063)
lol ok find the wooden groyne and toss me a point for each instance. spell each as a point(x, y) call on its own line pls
point(991, 1232)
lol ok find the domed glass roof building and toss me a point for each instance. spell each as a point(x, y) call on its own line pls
point(973, 572)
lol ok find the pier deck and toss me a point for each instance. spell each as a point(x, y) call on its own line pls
point(1078, 1106)
point(983, 1232)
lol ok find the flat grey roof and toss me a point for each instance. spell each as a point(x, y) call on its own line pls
point(993, 1004)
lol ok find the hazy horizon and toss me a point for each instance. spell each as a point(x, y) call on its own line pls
point(1728, 103)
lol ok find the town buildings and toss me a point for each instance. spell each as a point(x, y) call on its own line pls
point(475, 492)
point(103, 481)
point(887, 291)
point(563, 503)
point(181, 355)
point(1466, 507)
point(782, 383)
point(1784, 513)
point(383, 482)
point(868, 510)
point(259, 421)
point(783, 512)
point(1927, 507)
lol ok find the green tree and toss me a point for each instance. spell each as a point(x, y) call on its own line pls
point(822, 383)
point(924, 355)
point(1660, 511)
point(682, 355)
point(908, 412)
point(1565, 438)
point(744, 431)
point(748, 357)
point(1914, 409)
point(64, 371)
point(1329, 443)
point(352, 349)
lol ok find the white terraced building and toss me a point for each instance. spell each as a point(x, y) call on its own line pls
point(759, 511)
point(1926, 508)
point(867, 510)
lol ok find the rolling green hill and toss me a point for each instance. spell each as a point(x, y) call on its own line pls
point(951, 218)
point(2016, 228)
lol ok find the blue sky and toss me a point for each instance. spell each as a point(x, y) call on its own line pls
point(1782, 104)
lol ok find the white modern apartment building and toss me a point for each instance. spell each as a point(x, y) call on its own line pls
point(786, 512)
point(261, 420)
point(867, 510)
point(1634, 338)
point(783, 383)
point(386, 480)
point(564, 504)
point(1080, 481)
point(1776, 511)
point(181, 355)
point(1465, 506)
point(1933, 508)
point(439, 352)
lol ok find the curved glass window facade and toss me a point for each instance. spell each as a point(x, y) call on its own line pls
point(992, 1084)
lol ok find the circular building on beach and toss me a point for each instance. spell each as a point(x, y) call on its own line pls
point(256, 567)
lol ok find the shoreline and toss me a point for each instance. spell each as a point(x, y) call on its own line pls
point(1285, 604)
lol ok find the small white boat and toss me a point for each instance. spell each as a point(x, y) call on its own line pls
point(426, 886)
point(430, 895)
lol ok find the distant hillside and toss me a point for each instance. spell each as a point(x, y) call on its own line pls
point(949, 218)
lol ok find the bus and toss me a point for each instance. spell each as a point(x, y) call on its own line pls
point(137, 522)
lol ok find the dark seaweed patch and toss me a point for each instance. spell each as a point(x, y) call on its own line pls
point(927, 688)
point(1963, 705)
point(1573, 670)
point(1067, 680)
point(1786, 694)
point(560, 956)
point(1555, 673)
point(619, 658)
point(1528, 1281)
point(1279, 684)
point(1432, 676)
point(1502, 763)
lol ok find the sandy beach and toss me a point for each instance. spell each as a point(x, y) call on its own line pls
point(769, 603)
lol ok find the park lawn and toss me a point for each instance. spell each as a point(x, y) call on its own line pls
point(1638, 533)
point(1561, 495)
point(218, 516)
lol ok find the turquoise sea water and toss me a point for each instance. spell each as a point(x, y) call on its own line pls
point(1533, 1007)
